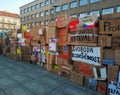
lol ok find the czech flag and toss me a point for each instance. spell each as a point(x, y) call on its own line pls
point(90, 25)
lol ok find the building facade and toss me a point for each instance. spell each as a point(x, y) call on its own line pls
point(42, 11)
point(9, 21)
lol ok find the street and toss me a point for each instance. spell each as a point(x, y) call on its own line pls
point(17, 78)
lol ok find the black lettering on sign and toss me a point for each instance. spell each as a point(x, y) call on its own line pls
point(109, 27)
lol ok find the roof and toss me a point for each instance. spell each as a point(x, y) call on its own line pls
point(8, 14)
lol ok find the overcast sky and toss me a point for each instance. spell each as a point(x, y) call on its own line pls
point(13, 5)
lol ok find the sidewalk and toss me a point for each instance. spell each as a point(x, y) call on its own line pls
point(17, 78)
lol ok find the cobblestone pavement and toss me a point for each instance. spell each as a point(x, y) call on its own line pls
point(18, 78)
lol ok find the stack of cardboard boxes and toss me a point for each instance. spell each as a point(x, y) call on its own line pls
point(85, 50)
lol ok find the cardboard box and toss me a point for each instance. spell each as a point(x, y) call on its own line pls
point(109, 54)
point(113, 73)
point(117, 57)
point(102, 87)
point(109, 26)
point(76, 66)
point(62, 36)
point(86, 69)
point(26, 58)
point(104, 41)
point(77, 77)
point(63, 20)
point(26, 50)
point(38, 30)
point(51, 24)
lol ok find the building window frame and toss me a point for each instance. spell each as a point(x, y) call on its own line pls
point(46, 12)
point(96, 12)
point(107, 10)
point(84, 14)
point(118, 8)
point(41, 4)
point(57, 8)
point(65, 7)
point(83, 2)
point(46, 2)
point(52, 1)
point(73, 4)
point(94, 1)
point(51, 11)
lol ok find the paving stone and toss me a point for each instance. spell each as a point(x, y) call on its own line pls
point(18, 91)
point(7, 83)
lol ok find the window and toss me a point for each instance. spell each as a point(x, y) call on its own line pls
point(51, 11)
point(51, 1)
point(107, 11)
point(36, 6)
point(94, 1)
point(83, 14)
point(25, 10)
point(74, 15)
point(46, 3)
point(36, 15)
point(65, 7)
point(32, 16)
point(32, 7)
point(73, 4)
point(25, 18)
point(22, 11)
point(95, 12)
point(33, 24)
point(41, 4)
point(28, 9)
point(46, 22)
point(57, 8)
point(46, 12)
point(83, 2)
point(42, 23)
point(37, 23)
point(118, 9)
point(22, 19)
point(28, 17)
point(41, 14)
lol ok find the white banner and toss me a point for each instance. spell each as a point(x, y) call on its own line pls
point(90, 55)
point(114, 88)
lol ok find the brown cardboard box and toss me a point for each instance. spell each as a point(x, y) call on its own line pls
point(63, 20)
point(113, 73)
point(35, 30)
point(26, 58)
point(86, 69)
point(104, 41)
point(62, 36)
point(76, 66)
point(77, 77)
point(102, 87)
point(52, 32)
point(117, 57)
point(26, 50)
point(109, 53)
point(27, 42)
point(51, 24)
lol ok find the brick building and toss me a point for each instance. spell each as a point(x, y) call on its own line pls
point(41, 11)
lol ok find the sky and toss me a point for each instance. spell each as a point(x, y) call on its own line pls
point(13, 5)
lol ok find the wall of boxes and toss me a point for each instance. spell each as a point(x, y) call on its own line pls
point(84, 50)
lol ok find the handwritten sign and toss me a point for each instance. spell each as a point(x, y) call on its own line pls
point(90, 55)
point(114, 88)
point(85, 35)
point(109, 26)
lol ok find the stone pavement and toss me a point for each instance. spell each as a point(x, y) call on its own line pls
point(17, 78)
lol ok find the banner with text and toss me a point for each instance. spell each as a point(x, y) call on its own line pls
point(90, 55)
point(114, 88)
